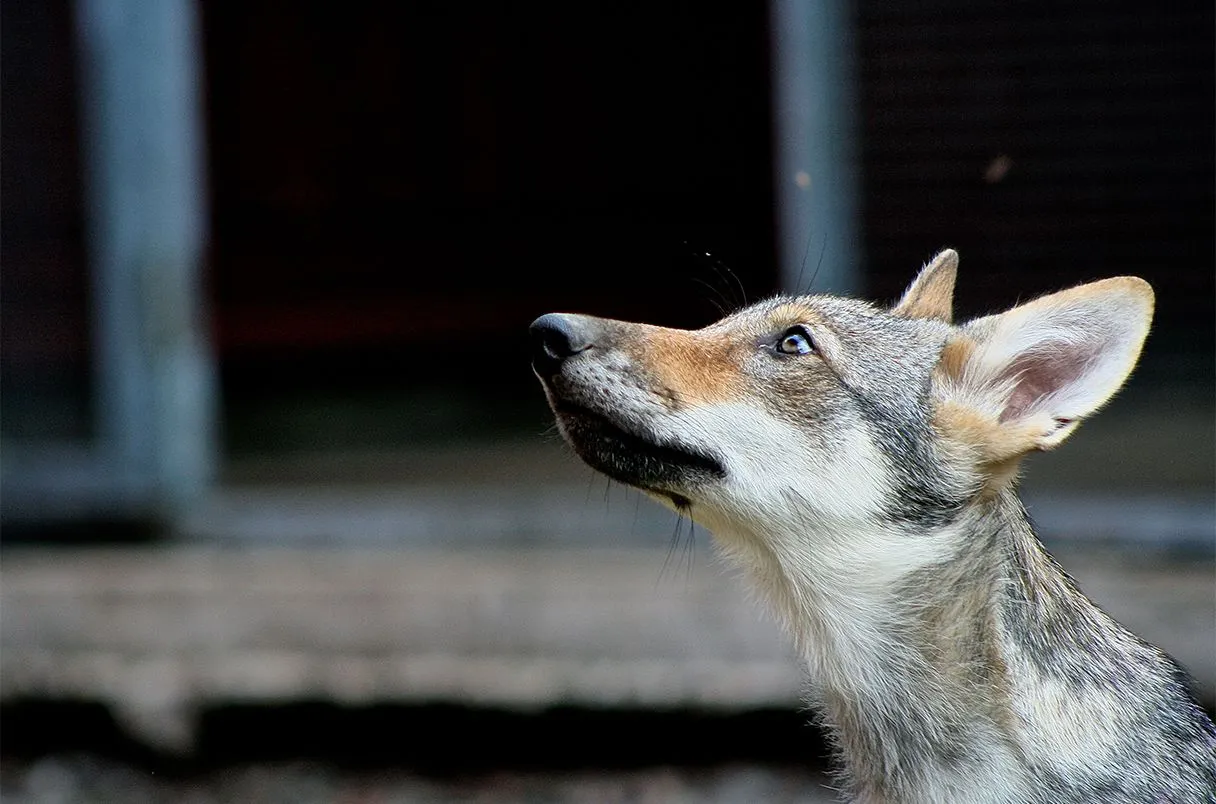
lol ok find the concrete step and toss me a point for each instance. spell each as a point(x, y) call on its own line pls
point(160, 633)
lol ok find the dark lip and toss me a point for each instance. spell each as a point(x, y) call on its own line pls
point(641, 445)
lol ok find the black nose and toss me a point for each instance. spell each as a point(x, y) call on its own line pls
point(554, 338)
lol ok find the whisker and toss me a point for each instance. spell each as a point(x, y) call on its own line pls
point(723, 267)
point(822, 250)
point(671, 546)
point(721, 304)
point(590, 485)
point(691, 552)
point(806, 250)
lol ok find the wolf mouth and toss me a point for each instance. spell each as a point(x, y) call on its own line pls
point(631, 458)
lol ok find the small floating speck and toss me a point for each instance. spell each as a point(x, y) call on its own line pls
point(998, 169)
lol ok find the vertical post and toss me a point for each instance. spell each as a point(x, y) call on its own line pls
point(815, 154)
point(145, 207)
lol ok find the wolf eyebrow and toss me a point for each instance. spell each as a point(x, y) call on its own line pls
point(788, 314)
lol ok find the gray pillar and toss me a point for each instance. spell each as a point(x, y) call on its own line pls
point(816, 145)
point(145, 206)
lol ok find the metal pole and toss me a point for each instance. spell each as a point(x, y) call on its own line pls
point(141, 112)
point(815, 154)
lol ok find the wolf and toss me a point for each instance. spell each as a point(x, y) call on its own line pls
point(860, 465)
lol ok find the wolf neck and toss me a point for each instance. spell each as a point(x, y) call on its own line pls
point(908, 654)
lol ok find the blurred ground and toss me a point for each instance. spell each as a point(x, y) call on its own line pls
point(85, 780)
point(500, 572)
point(160, 634)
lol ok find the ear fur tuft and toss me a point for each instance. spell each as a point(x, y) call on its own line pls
point(931, 294)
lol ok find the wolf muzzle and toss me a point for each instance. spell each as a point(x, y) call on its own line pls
point(557, 336)
point(614, 436)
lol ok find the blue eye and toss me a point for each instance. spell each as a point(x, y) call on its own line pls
point(796, 341)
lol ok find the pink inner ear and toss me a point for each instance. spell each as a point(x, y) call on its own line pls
point(1042, 372)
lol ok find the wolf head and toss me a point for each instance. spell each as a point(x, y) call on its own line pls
point(835, 411)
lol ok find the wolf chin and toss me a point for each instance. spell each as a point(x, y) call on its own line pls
point(860, 465)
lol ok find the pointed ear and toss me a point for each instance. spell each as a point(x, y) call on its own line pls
point(931, 294)
point(1025, 379)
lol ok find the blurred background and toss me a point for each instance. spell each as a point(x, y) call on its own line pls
point(282, 511)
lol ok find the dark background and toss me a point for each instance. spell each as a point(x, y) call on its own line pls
point(398, 189)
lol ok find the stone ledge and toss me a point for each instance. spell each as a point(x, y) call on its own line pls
point(158, 633)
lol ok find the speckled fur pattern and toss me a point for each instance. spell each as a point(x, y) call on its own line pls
point(859, 465)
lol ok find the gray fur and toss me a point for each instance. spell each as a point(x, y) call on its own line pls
point(975, 671)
